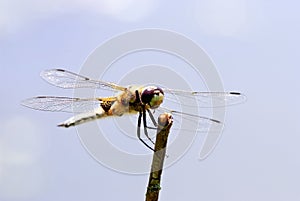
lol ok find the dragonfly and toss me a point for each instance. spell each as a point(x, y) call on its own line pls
point(139, 100)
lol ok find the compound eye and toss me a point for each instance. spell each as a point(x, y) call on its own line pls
point(147, 95)
point(153, 96)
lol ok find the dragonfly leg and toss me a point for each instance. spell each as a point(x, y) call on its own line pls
point(152, 118)
point(137, 97)
point(139, 131)
point(145, 125)
point(138, 100)
point(151, 128)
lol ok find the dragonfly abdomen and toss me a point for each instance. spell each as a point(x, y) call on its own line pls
point(84, 117)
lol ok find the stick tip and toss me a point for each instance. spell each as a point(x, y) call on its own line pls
point(165, 119)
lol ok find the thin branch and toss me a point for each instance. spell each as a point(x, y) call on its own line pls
point(163, 129)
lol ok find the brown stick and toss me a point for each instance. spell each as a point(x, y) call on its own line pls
point(163, 129)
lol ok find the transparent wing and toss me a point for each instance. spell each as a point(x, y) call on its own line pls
point(62, 104)
point(193, 122)
point(204, 99)
point(69, 80)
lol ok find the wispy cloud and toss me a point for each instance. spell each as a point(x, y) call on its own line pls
point(20, 148)
point(16, 13)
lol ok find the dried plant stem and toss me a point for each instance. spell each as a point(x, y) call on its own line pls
point(164, 125)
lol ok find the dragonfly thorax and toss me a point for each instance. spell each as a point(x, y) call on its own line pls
point(153, 96)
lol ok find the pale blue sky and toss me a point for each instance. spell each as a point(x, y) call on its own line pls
point(255, 46)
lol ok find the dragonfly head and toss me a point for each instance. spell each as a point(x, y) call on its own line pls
point(153, 96)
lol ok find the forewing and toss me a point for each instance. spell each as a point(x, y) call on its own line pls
point(62, 104)
point(69, 80)
point(204, 99)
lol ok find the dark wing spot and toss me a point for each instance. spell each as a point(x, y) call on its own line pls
point(235, 93)
point(106, 105)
